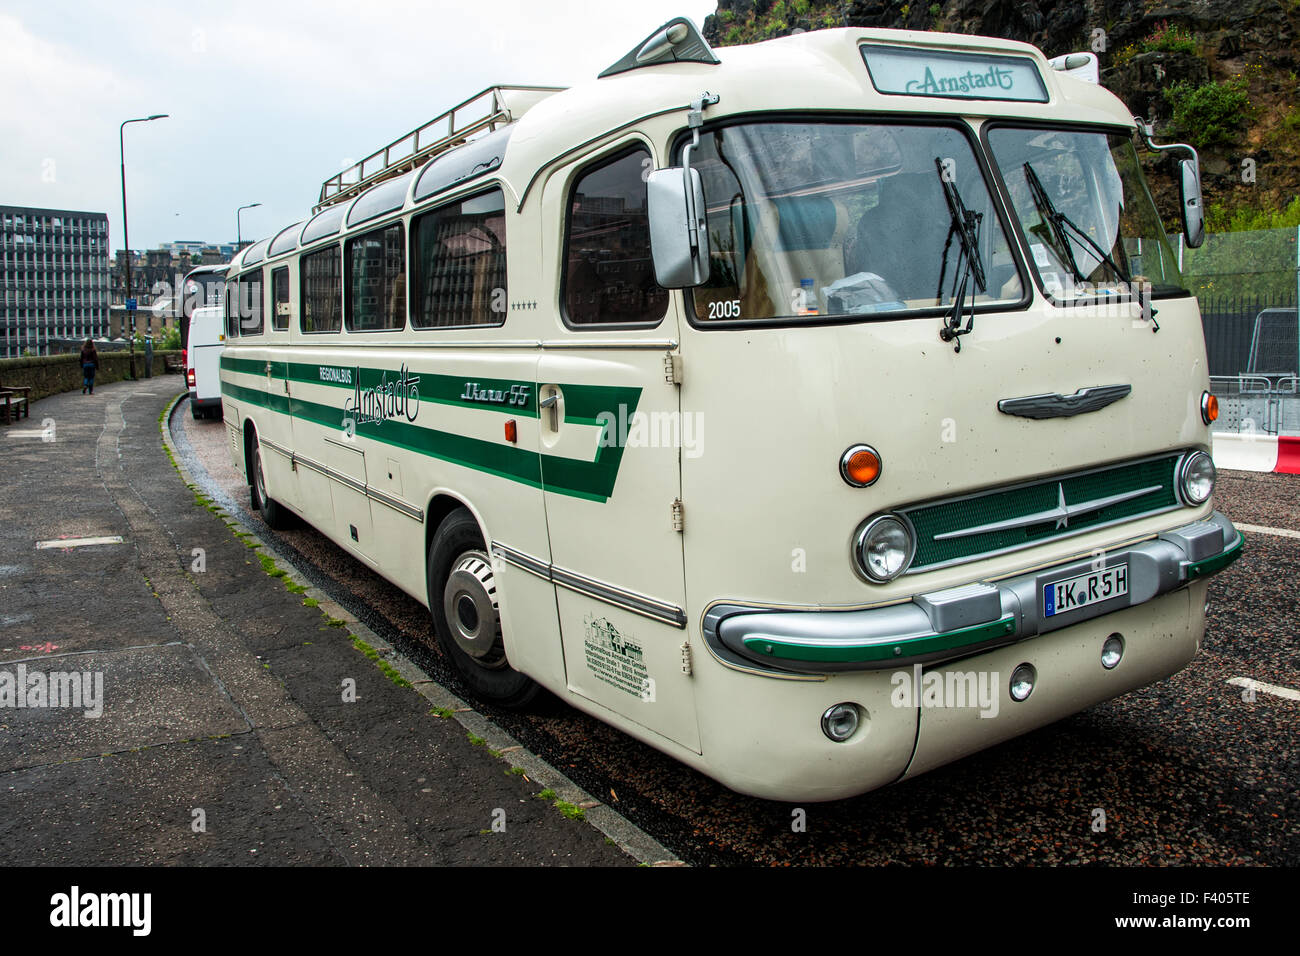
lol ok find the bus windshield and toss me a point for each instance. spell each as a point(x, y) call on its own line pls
point(1087, 215)
point(834, 220)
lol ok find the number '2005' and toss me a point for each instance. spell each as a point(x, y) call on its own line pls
point(727, 309)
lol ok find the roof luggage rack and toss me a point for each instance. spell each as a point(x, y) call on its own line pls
point(494, 107)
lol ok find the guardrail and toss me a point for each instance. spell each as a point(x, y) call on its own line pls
point(1266, 402)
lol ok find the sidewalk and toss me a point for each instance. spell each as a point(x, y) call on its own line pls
point(224, 736)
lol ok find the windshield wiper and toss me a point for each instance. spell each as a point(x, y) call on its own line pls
point(965, 226)
point(1058, 220)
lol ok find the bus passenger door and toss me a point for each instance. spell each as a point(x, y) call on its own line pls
point(610, 464)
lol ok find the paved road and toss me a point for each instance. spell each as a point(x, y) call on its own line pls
point(223, 735)
point(1186, 771)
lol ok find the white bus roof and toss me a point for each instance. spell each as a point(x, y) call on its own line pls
point(821, 70)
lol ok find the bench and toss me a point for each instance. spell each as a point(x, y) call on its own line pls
point(15, 402)
point(174, 365)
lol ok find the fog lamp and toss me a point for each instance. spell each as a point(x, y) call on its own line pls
point(1112, 651)
point(1022, 682)
point(840, 722)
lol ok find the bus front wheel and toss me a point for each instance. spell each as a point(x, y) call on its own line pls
point(466, 618)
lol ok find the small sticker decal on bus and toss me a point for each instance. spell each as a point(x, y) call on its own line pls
point(615, 658)
point(330, 373)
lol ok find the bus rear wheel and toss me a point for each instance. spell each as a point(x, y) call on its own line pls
point(466, 619)
point(273, 513)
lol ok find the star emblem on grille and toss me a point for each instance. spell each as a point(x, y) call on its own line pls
point(1063, 512)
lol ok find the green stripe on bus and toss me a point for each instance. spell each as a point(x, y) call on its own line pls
point(583, 404)
point(592, 480)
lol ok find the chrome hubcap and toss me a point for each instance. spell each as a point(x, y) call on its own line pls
point(469, 603)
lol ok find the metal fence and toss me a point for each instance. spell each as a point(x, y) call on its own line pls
point(1246, 284)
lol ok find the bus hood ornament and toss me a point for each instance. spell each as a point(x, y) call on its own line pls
point(1056, 405)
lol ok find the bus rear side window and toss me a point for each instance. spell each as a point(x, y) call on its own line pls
point(460, 264)
point(608, 277)
point(321, 291)
point(377, 280)
point(232, 310)
point(280, 298)
point(250, 303)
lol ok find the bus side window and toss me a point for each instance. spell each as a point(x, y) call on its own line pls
point(460, 264)
point(232, 310)
point(321, 291)
point(376, 285)
point(608, 274)
point(250, 303)
point(280, 298)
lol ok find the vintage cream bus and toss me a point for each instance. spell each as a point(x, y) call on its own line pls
point(818, 411)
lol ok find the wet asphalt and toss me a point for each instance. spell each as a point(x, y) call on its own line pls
point(224, 736)
point(1186, 770)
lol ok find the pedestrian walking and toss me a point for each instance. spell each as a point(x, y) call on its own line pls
point(89, 363)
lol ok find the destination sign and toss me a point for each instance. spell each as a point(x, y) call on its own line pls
point(911, 71)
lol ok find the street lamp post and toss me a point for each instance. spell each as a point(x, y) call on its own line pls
point(239, 230)
point(126, 237)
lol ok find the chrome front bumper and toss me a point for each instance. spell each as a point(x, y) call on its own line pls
point(960, 621)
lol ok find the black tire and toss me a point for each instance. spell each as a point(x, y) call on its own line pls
point(196, 411)
point(274, 514)
point(458, 550)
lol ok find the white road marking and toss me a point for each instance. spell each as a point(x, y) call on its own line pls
point(1261, 529)
point(80, 542)
point(1286, 693)
point(27, 433)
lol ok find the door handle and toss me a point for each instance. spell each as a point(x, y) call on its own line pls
point(552, 404)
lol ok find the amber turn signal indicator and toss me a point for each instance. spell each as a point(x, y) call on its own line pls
point(860, 466)
point(1209, 408)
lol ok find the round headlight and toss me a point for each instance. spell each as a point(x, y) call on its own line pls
point(885, 547)
point(840, 722)
point(1196, 478)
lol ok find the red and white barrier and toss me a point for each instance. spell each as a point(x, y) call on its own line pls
point(1252, 451)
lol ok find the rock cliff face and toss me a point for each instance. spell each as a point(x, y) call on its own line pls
point(1218, 73)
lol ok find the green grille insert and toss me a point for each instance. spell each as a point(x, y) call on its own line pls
point(1043, 496)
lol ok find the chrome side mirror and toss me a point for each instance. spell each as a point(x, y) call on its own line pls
point(679, 238)
point(1189, 183)
point(1193, 210)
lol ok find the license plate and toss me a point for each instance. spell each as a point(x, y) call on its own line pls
point(1085, 589)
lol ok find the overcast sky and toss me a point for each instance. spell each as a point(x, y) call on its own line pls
point(266, 98)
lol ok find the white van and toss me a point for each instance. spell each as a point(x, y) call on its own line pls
point(203, 348)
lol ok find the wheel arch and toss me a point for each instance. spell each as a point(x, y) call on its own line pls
point(442, 503)
point(249, 432)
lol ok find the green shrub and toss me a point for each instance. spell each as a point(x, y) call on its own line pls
point(1209, 115)
point(1218, 218)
